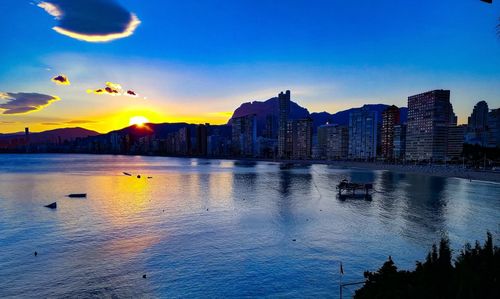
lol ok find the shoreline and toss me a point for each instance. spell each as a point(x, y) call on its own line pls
point(448, 171)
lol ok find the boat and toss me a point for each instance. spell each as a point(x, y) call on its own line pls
point(52, 205)
point(78, 195)
point(126, 173)
point(350, 188)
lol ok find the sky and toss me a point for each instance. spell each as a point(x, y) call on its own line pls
point(198, 60)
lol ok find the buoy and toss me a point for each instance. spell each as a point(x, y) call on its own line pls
point(144, 276)
point(36, 253)
point(294, 240)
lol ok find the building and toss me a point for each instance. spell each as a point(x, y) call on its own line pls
point(390, 118)
point(333, 141)
point(494, 128)
point(271, 127)
point(284, 114)
point(202, 139)
point(363, 134)
point(302, 131)
point(244, 136)
point(430, 114)
point(399, 144)
point(455, 144)
point(479, 117)
point(183, 140)
point(477, 127)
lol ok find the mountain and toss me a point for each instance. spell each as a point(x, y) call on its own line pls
point(54, 135)
point(62, 134)
point(271, 107)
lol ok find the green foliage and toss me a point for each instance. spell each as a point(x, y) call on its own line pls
point(474, 274)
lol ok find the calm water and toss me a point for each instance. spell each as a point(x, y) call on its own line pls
point(210, 228)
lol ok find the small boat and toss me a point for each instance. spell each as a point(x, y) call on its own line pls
point(52, 205)
point(127, 174)
point(78, 195)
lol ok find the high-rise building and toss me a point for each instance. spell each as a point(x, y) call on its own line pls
point(399, 144)
point(430, 115)
point(479, 117)
point(271, 127)
point(244, 136)
point(302, 138)
point(455, 143)
point(494, 128)
point(477, 127)
point(202, 139)
point(284, 114)
point(363, 134)
point(390, 118)
point(333, 141)
point(184, 141)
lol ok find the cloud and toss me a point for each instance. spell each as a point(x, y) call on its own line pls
point(20, 103)
point(80, 121)
point(51, 124)
point(7, 122)
point(113, 89)
point(91, 20)
point(61, 80)
point(131, 93)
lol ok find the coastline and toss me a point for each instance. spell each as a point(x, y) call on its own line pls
point(449, 171)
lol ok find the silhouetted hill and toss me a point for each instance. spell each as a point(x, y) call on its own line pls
point(271, 106)
point(62, 134)
point(55, 135)
point(163, 129)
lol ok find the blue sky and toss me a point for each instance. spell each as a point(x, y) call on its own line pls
point(198, 60)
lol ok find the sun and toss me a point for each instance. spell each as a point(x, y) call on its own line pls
point(138, 121)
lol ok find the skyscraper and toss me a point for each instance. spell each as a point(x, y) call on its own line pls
point(302, 138)
point(363, 134)
point(390, 118)
point(333, 140)
point(477, 127)
point(430, 115)
point(400, 142)
point(202, 139)
point(284, 114)
point(244, 136)
point(494, 128)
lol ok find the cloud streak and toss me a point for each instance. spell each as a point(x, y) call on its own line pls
point(91, 20)
point(22, 102)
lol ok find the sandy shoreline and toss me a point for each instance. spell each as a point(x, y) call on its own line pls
point(434, 170)
point(449, 171)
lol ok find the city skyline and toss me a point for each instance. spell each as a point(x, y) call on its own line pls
point(200, 67)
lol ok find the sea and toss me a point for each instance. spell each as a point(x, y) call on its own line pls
point(199, 228)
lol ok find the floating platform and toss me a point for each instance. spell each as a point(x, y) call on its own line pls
point(348, 189)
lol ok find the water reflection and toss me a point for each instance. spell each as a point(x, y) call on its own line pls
point(216, 228)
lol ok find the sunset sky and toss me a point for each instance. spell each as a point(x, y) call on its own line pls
point(198, 60)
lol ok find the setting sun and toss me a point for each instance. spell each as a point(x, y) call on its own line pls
point(138, 121)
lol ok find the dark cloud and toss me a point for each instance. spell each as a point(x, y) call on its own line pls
point(80, 121)
point(113, 89)
point(61, 80)
point(91, 20)
point(131, 93)
point(22, 102)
